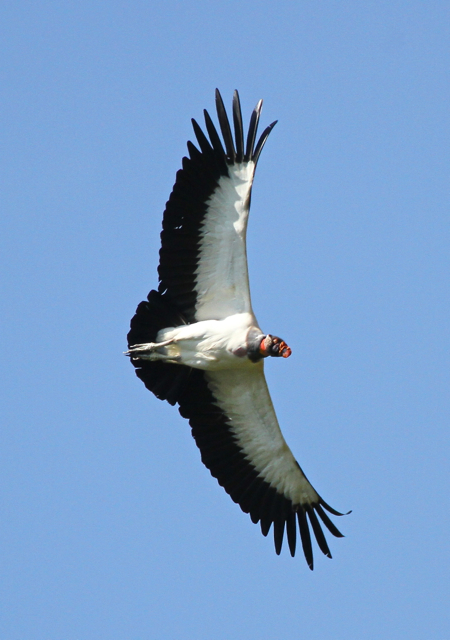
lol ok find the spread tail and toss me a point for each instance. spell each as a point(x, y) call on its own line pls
point(166, 381)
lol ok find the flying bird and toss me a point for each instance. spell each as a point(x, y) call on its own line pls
point(196, 342)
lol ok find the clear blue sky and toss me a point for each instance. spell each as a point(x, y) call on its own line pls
point(110, 525)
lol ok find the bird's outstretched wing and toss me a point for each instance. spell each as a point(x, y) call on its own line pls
point(235, 427)
point(203, 259)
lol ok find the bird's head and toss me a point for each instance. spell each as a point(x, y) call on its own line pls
point(274, 346)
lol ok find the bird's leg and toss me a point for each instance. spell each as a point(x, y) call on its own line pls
point(148, 350)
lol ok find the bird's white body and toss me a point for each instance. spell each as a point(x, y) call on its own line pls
point(210, 345)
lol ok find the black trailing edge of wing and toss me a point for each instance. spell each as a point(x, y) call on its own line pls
point(187, 205)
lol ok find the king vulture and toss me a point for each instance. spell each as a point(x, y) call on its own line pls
point(196, 342)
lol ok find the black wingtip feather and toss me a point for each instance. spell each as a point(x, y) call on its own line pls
point(194, 153)
point(320, 536)
point(331, 510)
point(252, 130)
point(305, 537)
point(278, 534)
point(327, 522)
point(262, 141)
point(238, 127)
point(291, 530)
point(265, 523)
point(213, 135)
point(225, 127)
point(203, 141)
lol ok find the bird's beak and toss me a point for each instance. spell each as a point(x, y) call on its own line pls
point(273, 346)
point(285, 351)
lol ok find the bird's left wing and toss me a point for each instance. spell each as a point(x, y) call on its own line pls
point(203, 257)
point(236, 429)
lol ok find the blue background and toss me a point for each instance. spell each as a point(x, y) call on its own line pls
point(110, 525)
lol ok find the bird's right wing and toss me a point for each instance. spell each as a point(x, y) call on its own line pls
point(236, 429)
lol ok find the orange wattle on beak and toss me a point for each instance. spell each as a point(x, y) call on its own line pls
point(285, 350)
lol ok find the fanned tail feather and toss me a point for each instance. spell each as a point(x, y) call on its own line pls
point(166, 381)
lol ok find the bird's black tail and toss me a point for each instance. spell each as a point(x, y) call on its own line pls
point(166, 381)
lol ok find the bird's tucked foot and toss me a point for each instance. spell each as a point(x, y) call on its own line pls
point(146, 350)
